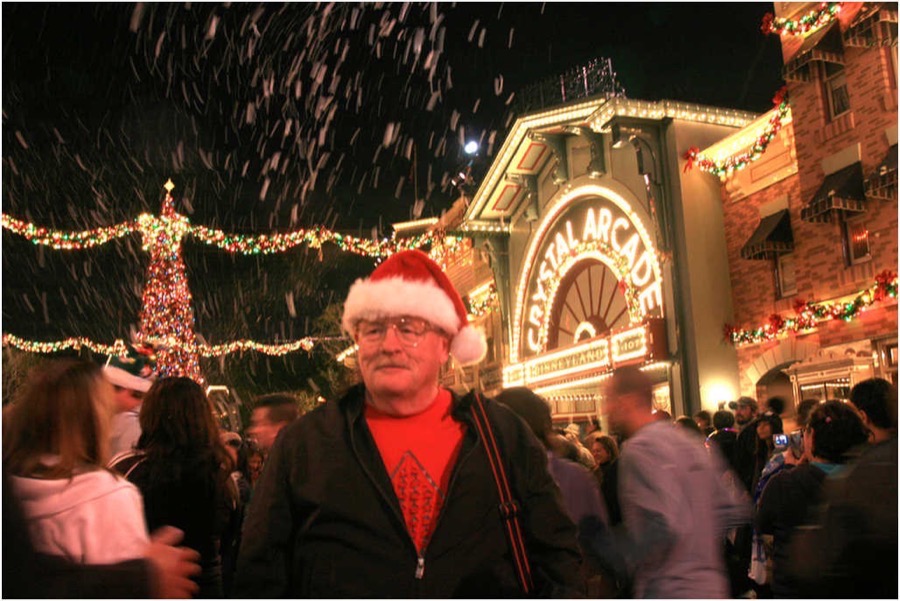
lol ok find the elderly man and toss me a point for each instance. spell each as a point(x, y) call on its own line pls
point(389, 492)
point(675, 505)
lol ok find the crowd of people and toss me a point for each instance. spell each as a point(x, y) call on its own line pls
point(117, 483)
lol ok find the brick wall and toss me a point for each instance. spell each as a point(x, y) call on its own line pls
point(822, 272)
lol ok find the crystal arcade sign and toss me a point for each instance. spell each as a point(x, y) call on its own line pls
point(592, 231)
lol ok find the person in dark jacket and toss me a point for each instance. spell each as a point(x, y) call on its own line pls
point(388, 492)
point(834, 429)
point(184, 473)
point(724, 437)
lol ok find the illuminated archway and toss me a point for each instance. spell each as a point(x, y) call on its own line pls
point(588, 222)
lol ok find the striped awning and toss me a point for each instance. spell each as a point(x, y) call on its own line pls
point(822, 45)
point(882, 182)
point(841, 192)
point(772, 237)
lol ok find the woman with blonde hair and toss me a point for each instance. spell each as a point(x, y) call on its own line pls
point(55, 444)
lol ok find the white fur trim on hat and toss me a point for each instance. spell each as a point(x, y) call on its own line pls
point(395, 296)
point(123, 379)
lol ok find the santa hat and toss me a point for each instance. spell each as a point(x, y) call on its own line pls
point(134, 370)
point(410, 283)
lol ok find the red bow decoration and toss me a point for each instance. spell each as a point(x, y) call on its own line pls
point(776, 321)
point(882, 281)
point(728, 330)
point(799, 306)
point(691, 157)
point(780, 96)
point(767, 21)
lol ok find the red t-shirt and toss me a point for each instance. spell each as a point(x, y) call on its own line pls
point(419, 453)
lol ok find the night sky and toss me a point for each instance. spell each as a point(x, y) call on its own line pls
point(272, 117)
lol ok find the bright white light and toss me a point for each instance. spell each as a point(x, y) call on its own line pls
point(471, 147)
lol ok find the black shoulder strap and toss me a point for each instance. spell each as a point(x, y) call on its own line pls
point(509, 507)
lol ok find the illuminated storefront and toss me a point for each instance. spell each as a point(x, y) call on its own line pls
point(602, 256)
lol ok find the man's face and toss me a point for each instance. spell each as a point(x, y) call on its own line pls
point(400, 359)
point(743, 414)
point(127, 399)
point(262, 429)
point(616, 410)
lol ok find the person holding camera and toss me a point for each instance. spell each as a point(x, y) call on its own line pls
point(787, 500)
point(787, 452)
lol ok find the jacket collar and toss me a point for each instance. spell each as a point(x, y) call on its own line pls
point(353, 402)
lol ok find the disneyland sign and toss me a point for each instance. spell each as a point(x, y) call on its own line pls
point(603, 230)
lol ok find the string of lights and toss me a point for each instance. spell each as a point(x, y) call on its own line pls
point(480, 306)
point(61, 240)
point(119, 347)
point(724, 168)
point(824, 14)
point(177, 226)
point(810, 314)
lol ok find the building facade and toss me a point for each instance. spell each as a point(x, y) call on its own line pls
point(591, 249)
point(812, 223)
point(591, 242)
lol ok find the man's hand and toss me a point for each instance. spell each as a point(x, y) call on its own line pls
point(172, 566)
point(789, 458)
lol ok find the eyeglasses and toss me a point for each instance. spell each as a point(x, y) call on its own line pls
point(410, 330)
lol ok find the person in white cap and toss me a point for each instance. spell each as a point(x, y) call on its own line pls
point(389, 492)
point(131, 375)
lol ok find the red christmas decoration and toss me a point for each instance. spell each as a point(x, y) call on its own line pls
point(776, 321)
point(882, 281)
point(767, 21)
point(690, 156)
point(728, 331)
point(780, 96)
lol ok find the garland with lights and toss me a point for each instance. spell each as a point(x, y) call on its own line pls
point(167, 319)
point(810, 314)
point(233, 243)
point(119, 347)
point(478, 308)
point(60, 240)
point(814, 19)
point(724, 168)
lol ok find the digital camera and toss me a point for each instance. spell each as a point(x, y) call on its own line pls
point(781, 442)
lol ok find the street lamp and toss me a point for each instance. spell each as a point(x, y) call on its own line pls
point(471, 147)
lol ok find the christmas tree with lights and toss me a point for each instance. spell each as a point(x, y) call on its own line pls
point(167, 318)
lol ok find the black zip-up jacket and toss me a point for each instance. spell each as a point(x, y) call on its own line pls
point(324, 520)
